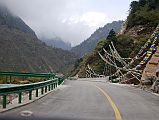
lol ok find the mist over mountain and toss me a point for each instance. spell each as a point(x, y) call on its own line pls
point(12, 21)
point(88, 45)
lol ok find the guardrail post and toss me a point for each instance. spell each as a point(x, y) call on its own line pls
point(45, 88)
point(59, 81)
point(30, 95)
point(52, 86)
point(20, 98)
point(42, 90)
point(37, 93)
point(49, 87)
point(55, 85)
point(4, 101)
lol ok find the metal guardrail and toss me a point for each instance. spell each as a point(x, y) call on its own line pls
point(45, 86)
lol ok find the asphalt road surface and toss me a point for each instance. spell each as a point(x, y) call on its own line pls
point(90, 99)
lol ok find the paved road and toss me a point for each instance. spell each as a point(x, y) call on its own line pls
point(90, 100)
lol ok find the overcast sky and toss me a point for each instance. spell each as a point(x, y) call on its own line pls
point(72, 20)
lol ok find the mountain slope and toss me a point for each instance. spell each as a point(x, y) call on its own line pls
point(88, 45)
point(20, 50)
point(127, 46)
point(57, 43)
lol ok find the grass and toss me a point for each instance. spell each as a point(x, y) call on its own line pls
point(19, 80)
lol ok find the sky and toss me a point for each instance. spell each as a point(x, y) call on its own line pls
point(71, 20)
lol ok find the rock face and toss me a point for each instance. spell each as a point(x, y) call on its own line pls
point(149, 72)
point(145, 61)
point(123, 28)
point(138, 30)
point(88, 45)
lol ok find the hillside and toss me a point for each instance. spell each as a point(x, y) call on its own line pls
point(143, 12)
point(57, 43)
point(88, 45)
point(21, 51)
point(125, 46)
point(134, 34)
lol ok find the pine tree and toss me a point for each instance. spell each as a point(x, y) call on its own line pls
point(134, 6)
point(142, 2)
point(112, 37)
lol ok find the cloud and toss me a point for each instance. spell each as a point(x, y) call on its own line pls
point(72, 20)
point(94, 19)
point(91, 19)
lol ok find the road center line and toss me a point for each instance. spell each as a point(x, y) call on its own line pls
point(116, 111)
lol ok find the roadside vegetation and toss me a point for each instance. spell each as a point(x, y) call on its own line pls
point(143, 12)
point(19, 80)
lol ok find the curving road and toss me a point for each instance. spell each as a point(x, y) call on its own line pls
point(90, 99)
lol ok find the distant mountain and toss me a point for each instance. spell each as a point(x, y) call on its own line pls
point(20, 50)
point(88, 45)
point(57, 43)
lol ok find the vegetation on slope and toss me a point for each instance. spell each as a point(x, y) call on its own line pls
point(127, 47)
point(89, 45)
point(24, 52)
point(143, 12)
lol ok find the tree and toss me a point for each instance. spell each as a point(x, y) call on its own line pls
point(134, 6)
point(112, 37)
point(153, 4)
point(142, 3)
